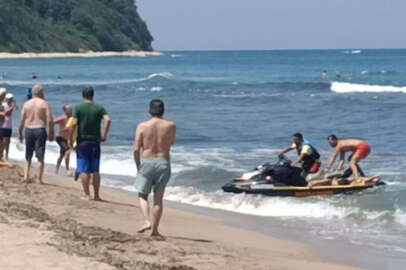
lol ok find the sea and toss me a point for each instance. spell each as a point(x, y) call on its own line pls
point(235, 110)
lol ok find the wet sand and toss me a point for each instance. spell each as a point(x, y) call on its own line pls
point(78, 54)
point(50, 227)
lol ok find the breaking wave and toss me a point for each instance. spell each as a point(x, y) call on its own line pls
point(344, 87)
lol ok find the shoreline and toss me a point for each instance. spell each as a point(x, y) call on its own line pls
point(88, 54)
point(193, 241)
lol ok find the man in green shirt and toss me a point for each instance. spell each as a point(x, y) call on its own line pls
point(87, 118)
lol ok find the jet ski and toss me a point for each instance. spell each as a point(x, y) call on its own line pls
point(281, 179)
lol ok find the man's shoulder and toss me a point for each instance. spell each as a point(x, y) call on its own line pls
point(169, 123)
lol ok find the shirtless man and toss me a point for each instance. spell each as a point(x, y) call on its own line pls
point(359, 149)
point(153, 140)
point(36, 116)
point(62, 138)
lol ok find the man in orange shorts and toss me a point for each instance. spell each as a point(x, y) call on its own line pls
point(359, 148)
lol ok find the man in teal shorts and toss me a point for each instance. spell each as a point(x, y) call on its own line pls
point(153, 140)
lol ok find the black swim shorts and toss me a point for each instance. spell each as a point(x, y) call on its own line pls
point(63, 145)
point(35, 140)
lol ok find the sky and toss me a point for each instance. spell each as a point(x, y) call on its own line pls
point(274, 24)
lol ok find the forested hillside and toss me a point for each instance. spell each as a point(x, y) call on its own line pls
point(71, 26)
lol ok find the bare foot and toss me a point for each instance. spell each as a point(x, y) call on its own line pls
point(69, 173)
point(157, 236)
point(86, 198)
point(39, 182)
point(147, 226)
point(98, 199)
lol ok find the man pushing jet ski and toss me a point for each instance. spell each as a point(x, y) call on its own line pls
point(359, 148)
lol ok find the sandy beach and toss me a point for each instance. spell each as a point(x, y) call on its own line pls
point(88, 54)
point(50, 227)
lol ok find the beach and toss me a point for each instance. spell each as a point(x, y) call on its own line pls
point(87, 54)
point(50, 227)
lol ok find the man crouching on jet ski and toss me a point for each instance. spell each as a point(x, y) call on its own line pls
point(307, 154)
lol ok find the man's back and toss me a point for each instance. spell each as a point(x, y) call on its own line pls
point(36, 113)
point(349, 144)
point(89, 116)
point(158, 135)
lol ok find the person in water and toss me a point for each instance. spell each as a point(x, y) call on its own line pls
point(29, 93)
point(62, 138)
point(153, 141)
point(359, 148)
point(307, 154)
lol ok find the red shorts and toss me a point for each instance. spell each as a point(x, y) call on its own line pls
point(312, 168)
point(363, 150)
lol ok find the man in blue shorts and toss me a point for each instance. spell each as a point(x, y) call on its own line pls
point(88, 117)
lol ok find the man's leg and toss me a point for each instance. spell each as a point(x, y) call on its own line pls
point(96, 186)
point(354, 167)
point(1, 148)
point(7, 146)
point(157, 212)
point(85, 183)
point(41, 170)
point(58, 162)
point(27, 169)
point(67, 159)
point(144, 205)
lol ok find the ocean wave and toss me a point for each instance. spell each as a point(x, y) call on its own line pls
point(353, 52)
point(165, 75)
point(343, 87)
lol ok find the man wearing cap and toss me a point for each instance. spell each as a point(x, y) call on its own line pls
point(6, 129)
point(36, 116)
point(153, 140)
point(87, 118)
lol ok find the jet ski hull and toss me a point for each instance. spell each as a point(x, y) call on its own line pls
point(293, 191)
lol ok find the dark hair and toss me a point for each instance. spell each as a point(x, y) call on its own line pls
point(332, 137)
point(88, 92)
point(156, 107)
point(298, 135)
point(64, 107)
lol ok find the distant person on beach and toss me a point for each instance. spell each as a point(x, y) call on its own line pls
point(324, 74)
point(153, 141)
point(36, 116)
point(88, 118)
point(34, 76)
point(62, 138)
point(29, 94)
point(3, 93)
point(360, 150)
point(6, 131)
point(308, 155)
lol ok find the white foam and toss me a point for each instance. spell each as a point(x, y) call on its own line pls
point(343, 87)
point(166, 75)
point(156, 89)
point(254, 204)
point(353, 52)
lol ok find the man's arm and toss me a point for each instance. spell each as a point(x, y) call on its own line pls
point(21, 125)
point(299, 159)
point(51, 130)
point(287, 149)
point(332, 159)
point(341, 163)
point(138, 146)
point(173, 137)
point(106, 129)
